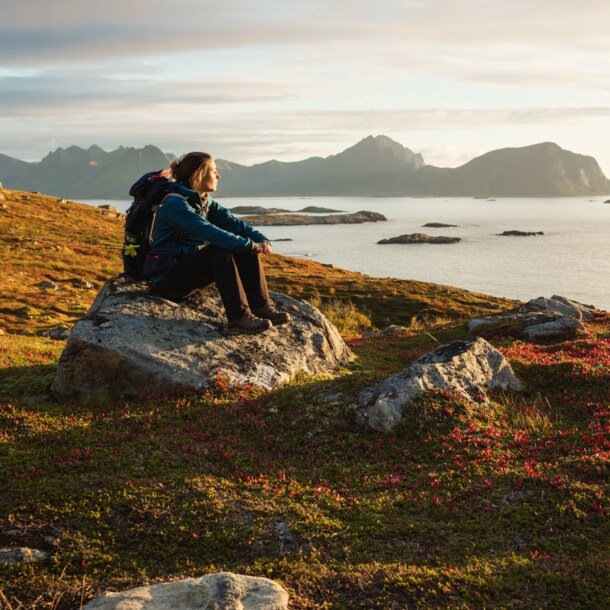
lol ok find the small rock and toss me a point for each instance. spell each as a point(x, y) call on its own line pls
point(3, 206)
point(559, 304)
point(331, 398)
point(21, 555)
point(58, 334)
point(438, 225)
point(25, 197)
point(562, 328)
point(223, 591)
point(284, 532)
point(108, 207)
point(81, 283)
point(47, 284)
point(61, 201)
point(393, 328)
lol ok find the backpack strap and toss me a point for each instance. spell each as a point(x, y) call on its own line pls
point(155, 213)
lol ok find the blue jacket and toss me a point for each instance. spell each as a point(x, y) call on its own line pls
point(184, 225)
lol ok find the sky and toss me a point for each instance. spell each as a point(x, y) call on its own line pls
point(277, 79)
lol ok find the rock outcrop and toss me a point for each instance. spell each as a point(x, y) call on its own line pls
point(223, 591)
point(420, 238)
point(463, 367)
point(133, 344)
point(540, 319)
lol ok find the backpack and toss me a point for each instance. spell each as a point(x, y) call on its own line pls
point(148, 194)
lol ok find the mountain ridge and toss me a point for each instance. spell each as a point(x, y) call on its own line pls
point(375, 166)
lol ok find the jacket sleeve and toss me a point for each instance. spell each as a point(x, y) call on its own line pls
point(181, 216)
point(221, 217)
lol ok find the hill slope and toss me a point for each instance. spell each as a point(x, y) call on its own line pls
point(464, 507)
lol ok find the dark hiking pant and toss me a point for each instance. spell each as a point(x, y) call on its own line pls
point(239, 277)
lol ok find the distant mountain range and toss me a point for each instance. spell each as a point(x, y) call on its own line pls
point(375, 166)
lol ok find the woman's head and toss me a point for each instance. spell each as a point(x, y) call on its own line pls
point(197, 170)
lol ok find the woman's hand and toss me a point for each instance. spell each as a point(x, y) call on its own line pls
point(263, 247)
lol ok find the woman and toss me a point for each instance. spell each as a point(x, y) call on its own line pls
point(196, 242)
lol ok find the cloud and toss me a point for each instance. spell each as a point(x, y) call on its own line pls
point(280, 78)
point(39, 32)
point(251, 135)
point(41, 95)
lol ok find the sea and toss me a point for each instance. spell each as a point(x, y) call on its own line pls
point(571, 259)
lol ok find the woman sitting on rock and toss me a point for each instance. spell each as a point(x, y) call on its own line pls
point(196, 242)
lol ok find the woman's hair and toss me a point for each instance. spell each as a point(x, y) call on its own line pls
point(188, 166)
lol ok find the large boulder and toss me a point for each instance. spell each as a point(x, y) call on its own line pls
point(223, 591)
point(131, 344)
point(463, 367)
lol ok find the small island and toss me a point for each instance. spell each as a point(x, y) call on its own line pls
point(514, 233)
point(314, 209)
point(258, 209)
point(280, 220)
point(420, 238)
point(438, 225)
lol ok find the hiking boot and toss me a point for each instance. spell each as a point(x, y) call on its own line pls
point(269, 312)
point(247, 325)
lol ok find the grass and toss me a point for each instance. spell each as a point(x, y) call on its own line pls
point(461, 508)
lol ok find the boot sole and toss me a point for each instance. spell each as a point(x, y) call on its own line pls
point(278, 322)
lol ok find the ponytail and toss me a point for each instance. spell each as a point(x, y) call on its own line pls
point(186, 167)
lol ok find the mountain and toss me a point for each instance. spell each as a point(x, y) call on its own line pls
point(375, 166)
point(83, 174)
point(533, 171)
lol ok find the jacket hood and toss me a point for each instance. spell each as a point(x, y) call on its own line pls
point(190, 195)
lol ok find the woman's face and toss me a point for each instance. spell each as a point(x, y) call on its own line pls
point(207, 180)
